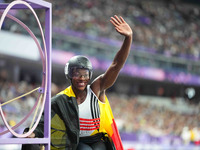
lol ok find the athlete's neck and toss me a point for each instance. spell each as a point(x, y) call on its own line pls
point(80, 95)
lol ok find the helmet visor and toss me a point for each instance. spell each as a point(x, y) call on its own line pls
point(79, 73)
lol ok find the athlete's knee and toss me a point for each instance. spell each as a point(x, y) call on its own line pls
point(99, 146)
point(83, 146)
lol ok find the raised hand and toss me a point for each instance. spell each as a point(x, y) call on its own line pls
point(121, 26)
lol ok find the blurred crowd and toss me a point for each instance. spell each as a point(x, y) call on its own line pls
point(132, 113)
point(135, 115)
point(16, 110)
point(170, 28)
point(167, 28)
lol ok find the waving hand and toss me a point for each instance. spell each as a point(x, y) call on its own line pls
point(121, 26)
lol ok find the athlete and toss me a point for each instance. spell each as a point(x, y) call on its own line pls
point(79, 115)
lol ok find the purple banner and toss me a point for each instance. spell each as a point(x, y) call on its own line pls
point(61, 57)
point(144, 141)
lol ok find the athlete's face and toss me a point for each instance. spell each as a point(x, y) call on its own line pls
point(80, 78)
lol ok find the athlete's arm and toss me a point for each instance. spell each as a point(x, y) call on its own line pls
point(103, 82)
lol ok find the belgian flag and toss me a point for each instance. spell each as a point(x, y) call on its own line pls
point(108, 124)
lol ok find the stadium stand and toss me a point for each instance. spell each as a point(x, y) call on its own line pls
point(166, 36)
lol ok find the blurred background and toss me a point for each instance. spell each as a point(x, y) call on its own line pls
point(156, 98)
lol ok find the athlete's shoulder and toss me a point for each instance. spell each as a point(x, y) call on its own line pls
point(63, 95)
point(68, 91)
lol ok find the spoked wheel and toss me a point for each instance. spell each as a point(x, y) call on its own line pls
point(42, 89)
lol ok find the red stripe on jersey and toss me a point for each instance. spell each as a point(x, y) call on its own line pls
point(83, 119)
point(82, 122)
point(89, 126)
